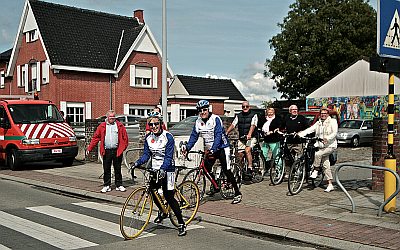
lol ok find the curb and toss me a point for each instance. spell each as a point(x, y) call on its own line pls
point(213, 219)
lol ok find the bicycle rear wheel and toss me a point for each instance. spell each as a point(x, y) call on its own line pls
point(227, 191)
point(277, 170)
point(296, 177)
point(198, 178)
point(188, 197)
point(135, 214)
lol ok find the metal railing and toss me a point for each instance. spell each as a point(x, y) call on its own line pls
point(369, 167)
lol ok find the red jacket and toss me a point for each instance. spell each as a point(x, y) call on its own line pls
point(100, 135)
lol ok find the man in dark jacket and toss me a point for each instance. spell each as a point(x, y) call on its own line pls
point(113, 141)
point(294, 123)
point(247, 126)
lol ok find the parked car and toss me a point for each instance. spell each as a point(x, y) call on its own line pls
point(355, 132)
point(313, 115)
point(183, 127)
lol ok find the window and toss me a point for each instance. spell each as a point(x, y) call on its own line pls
point(2, 79)
point(75, 113)
point(182, 114)
point(45, 72)
point(143, 76)
point(24, 76)
point(141, 111)
point(31, 36)
point(32, 85)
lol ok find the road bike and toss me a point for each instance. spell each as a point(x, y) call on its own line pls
point(283, 160)
point(198, 175)
point(302, 168)
point(138, 207)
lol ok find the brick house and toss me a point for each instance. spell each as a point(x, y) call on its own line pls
point(84, 61)
point(186, 91)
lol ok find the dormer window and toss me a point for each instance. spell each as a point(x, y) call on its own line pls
point(31, 36)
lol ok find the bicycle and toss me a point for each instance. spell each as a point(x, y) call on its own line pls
point(283, 158)
point(198, 175)
point(137, 209)
point(303, 166)
point(259, 162)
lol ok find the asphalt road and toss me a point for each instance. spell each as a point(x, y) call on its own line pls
point(35, 218)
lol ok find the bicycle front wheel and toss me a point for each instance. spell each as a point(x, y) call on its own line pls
point(227, 191)
point(296, 177)
point(198, 178)
point(135, 214)
point(259, 168)
point(277, 170)
point(188, 197)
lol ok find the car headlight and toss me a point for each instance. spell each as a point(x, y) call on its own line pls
point(72, 138)
point(30, 141)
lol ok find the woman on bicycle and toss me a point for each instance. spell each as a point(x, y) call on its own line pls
point(211, 129)
point(326, 129)
point(271, 139)
point(159, 146)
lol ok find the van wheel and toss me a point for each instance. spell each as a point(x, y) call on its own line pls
point(68, 162)
point(14, 163)
point(355, 141)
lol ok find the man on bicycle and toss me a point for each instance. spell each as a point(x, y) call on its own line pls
point(247, 126)
point(326, 129)
point(159, 145)
point(216, 143)
point(294, 123)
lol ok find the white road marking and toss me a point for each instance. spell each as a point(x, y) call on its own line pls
point(43, 233)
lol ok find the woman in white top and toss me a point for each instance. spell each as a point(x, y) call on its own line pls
point(325, 128)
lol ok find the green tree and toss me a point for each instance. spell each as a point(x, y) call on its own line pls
point(318, 40)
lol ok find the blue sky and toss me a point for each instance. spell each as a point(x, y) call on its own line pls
point(221, 38)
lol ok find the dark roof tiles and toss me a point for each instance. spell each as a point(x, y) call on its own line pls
point(210, 87)
point(83, 38)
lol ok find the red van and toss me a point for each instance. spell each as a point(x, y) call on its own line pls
point(34, 130)
point(313, 116)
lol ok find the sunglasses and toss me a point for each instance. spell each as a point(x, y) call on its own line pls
point(202, 110)
point(152, 124)
point(324, 113)
point(245, 106)
point(111, 117)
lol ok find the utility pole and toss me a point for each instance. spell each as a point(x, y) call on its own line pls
point(164, 62)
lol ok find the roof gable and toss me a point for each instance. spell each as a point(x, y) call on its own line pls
point(83, 38)
point(201, 86)
point(356, 80)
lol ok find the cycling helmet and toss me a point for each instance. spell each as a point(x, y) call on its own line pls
point(154, 114)
point(202, 104)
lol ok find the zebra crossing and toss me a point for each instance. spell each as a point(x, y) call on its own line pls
point(68, 226)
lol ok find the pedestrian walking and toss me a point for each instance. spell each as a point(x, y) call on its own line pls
point(113, 141)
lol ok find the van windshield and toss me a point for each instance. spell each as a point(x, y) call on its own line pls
point(38, 113)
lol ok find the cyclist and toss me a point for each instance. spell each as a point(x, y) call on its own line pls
point(271, 139)
point(294, 123)
point(159, 145)
point(210, 128)
point(325, 128)
point(247, 126)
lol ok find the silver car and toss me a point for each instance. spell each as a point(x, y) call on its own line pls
point(355, 132)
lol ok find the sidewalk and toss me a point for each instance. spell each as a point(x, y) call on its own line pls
point(312, 216)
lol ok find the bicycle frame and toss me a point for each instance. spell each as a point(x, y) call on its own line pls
point(202, 170)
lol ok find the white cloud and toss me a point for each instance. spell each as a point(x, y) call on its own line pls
point(253, 85)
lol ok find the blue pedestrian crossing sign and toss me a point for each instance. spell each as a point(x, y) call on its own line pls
point(388, 25)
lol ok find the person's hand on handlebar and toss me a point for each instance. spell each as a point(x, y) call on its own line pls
point(161, 173)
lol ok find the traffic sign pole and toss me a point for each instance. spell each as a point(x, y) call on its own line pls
point(390, 159)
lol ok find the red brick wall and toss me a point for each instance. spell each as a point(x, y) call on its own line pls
point(73, 86)
point(379, 151)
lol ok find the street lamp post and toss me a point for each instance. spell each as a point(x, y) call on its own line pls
point(164, 62)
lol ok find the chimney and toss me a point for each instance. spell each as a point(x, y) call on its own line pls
point(138, 14)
